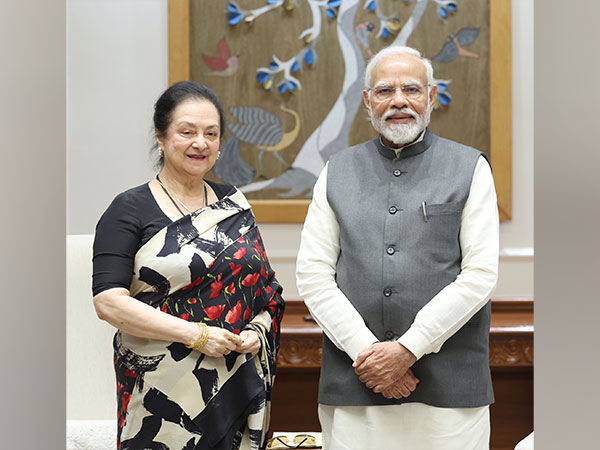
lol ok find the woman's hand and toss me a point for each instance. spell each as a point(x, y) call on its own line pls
point(220, 342)
point(250, 343)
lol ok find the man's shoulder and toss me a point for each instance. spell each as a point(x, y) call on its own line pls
point(449, 145)
point(356, 151)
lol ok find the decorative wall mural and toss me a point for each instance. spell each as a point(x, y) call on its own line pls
point(290, 75)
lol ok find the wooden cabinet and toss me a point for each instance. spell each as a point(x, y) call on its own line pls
point(511, 361)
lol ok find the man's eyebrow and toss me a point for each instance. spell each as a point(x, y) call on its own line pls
point(382, 84)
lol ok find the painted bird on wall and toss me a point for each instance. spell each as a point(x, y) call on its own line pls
point(260, 128)
point(361, 33)
point(224, 64)
point(264, 130)
point(455, 44)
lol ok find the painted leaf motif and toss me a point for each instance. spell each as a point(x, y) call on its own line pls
point(309, 57)
point(444, 98)
point(261, 77)
point(234, 18)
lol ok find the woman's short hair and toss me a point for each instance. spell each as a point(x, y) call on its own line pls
point(181, 92)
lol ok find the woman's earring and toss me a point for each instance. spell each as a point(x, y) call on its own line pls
point(161, 153)
point(218, 154)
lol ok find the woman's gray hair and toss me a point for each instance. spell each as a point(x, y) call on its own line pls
point(395, 50)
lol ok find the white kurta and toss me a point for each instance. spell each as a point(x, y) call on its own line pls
point(412, 425)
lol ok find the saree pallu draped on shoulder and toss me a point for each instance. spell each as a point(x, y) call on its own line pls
point(211, 267)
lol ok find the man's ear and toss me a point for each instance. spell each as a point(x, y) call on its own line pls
point(432, 97)
point(367, 102)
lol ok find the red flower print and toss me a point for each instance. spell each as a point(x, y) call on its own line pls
point(122, 421)
point(268, 289)
point(240, 253)
point(257, 294)
point(250, 279)
point(196, 282)
point(216, 287)
point(241, 239)
point(234, 314)
point(192, 301)
point(260, 250)
point(185, 316)
point(164, 307)
point(214, 312)
point(236, 331)
point(247, 313)
point(120, 387)
point(230, 289)
point(130, 373)
point(235, 268)
point(125, 401)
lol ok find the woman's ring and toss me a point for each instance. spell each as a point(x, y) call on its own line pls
point(227, 352)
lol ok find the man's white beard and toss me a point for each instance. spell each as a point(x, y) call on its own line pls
point(401, 133)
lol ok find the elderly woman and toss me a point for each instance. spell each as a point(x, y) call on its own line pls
point(181, 271)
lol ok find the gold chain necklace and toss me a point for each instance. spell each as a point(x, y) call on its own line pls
point(173, 198)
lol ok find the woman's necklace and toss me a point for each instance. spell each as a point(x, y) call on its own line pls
point(172, 198)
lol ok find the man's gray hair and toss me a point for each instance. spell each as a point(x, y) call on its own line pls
point(395, 50)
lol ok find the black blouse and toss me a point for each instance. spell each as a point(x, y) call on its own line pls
point(129, 222)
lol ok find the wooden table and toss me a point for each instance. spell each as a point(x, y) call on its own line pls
point(511, 361)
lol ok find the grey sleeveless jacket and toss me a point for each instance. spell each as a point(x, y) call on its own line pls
point(396, 256)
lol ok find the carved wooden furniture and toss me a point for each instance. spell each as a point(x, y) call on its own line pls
point(511, 360)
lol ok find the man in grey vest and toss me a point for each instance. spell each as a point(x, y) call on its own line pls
point(398, 258)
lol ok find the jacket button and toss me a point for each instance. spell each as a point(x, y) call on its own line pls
point(387, 292)
point(397, 172)
point(390, 250)
point(393, 210)
point(389, 335)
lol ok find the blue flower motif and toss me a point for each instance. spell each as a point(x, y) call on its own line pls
point(385, 33)
point(330, 13)
point(234, 18)
point(309, 57)
point(442, 86)
point(291, 85)
point(270, 2)
point(232, 8)
point(273, 65)
point(334, 3)
point(261, 76)
point(371, 6)
point(282, 87)
point(443, 12)
point(451, 6)
point(295, 66)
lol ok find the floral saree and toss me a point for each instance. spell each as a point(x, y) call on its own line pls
point(209, 266)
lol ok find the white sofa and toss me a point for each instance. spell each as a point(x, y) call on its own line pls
point(91, 392)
